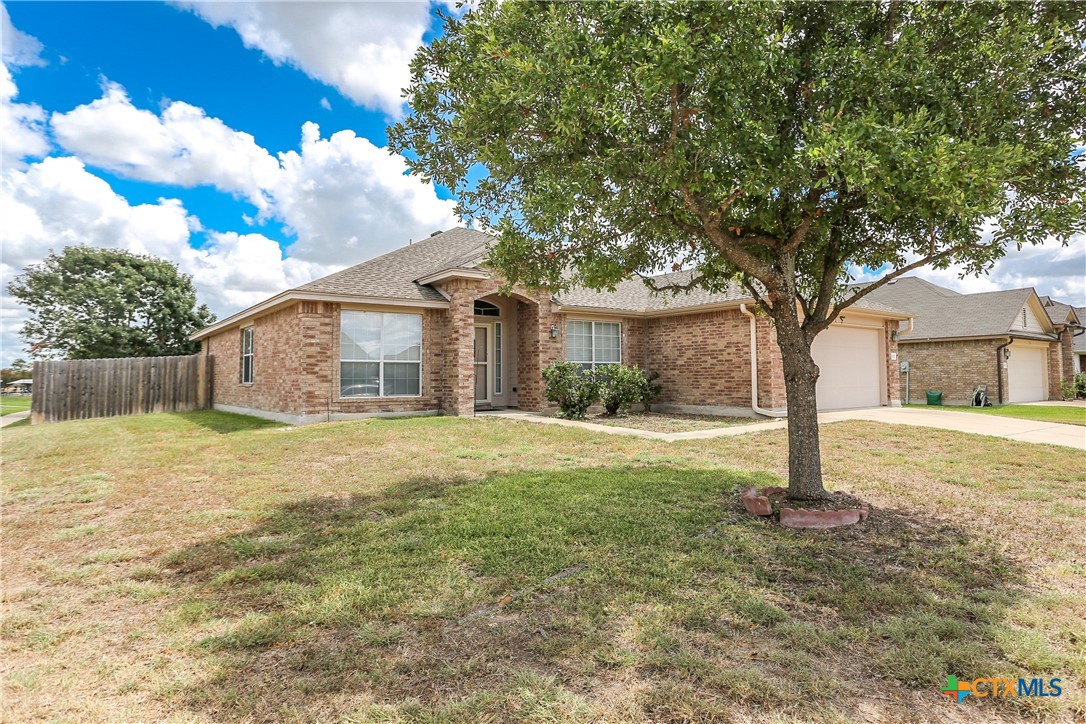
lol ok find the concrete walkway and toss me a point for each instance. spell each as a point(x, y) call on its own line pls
point(971, 422)
point(13, 418)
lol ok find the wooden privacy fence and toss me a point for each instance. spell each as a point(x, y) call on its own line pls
point(77, 389)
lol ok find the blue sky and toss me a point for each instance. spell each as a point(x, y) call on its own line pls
point(245, 142)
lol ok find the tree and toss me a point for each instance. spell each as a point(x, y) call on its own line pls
point(88, 303)
point(19, 369)
point(773, 144)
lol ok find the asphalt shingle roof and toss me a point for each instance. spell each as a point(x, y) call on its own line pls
point(941, 313)
point(393, 275)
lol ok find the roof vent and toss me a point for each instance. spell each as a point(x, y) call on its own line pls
point(435, 233)
point(892, 281)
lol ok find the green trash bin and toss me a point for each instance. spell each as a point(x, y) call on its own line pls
point(935, 398)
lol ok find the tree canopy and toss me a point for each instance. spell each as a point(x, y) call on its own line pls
point(88, 303)
point(774, 144)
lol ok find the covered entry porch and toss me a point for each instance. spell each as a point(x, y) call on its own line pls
point(497, 346)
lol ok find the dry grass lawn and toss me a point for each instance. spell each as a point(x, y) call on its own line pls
point(671, 421)
point(208, 567)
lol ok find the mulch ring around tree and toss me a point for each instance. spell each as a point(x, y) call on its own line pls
point(834, 510)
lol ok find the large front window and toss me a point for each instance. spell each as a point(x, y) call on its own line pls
point(380, 355)
point(591, 344)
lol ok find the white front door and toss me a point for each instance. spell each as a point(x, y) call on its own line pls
point(482, 363)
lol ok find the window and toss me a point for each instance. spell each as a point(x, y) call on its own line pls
point(591, 344)
point(380, 355)
point(247, 356)
point(486, 309)
point(497, 358)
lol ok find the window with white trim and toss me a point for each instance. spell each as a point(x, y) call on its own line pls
point(591, 344)
point(380, 355)
point(247, 356)
point(497, 358)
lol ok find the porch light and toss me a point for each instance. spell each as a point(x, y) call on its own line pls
point(554, 331)
point(1006, 353)
point(893, 335)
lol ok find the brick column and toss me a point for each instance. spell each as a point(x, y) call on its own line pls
point(1055, 370)
point(460, 350)
point(535, 349)
point(893, 366)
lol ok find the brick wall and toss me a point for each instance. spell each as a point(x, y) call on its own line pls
point(296, 365)
point(953, 367)
point(704, 359)
point(893, 366)
point(1055, 370)
point(277, 364)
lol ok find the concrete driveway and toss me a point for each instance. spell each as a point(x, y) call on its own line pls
point(1011, 428)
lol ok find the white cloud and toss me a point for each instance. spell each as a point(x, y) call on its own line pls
point(349, 200)
point(326, 104)
point(183, 146)
point(19, 49)
point(345, 198)
point(57, 203)
point(362, 49)
point(22, 125)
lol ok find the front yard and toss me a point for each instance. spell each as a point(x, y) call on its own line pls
point(671, 421)
point(205, 567)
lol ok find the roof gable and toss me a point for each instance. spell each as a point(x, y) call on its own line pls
point(941, 313)
point(395, 275)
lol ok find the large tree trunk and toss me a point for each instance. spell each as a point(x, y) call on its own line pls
point(800, 376)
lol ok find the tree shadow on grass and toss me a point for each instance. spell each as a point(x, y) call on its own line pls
point(686, 607)
point(224, 423)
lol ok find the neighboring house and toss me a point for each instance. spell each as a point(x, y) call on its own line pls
point(1005, 340)
point(1067, 322)
point(20, 386)
point(423, 330)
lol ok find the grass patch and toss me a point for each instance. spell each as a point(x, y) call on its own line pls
point(670, 421)
point(1063, 414)
point(354, 570)
point(14, 403)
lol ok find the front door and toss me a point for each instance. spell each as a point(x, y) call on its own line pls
point(482, 364)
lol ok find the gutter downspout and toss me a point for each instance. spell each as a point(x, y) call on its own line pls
point(754, 369)
point(999, 366)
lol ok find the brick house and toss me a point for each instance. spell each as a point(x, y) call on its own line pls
point(424, 330)
point(1014, 342)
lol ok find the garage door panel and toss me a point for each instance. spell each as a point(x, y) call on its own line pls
point(1026, 374)
point(850, 368)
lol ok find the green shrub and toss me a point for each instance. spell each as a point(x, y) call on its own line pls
point(650, 390)
point(571, 388)
point(1080, 384)
point(620, 386)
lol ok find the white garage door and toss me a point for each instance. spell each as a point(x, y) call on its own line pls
point(849, 366)
point(1026, 374)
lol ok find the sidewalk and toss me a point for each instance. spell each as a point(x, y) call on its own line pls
point(1006, 427)
point(13, 418)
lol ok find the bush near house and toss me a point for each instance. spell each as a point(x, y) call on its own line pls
point(621, 386)
point(617, 387)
